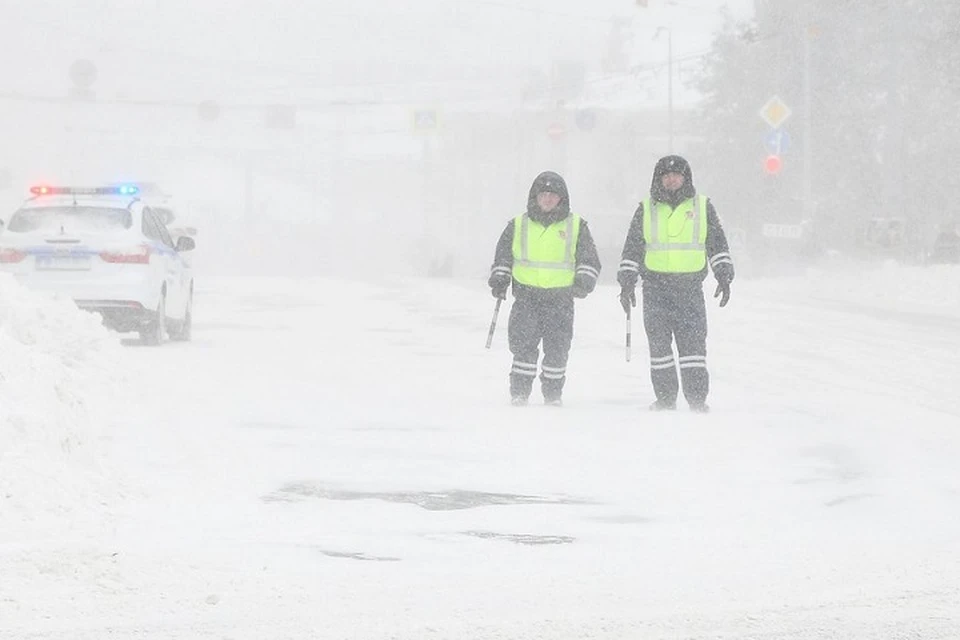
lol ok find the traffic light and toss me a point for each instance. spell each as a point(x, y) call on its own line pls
point(772, 164)
point(208, 110)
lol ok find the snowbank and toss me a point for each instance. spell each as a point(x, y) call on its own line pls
point(58, 373)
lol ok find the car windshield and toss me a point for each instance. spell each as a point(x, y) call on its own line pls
point(70, 219)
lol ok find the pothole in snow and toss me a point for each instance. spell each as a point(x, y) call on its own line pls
point(520, 538)
point(430, 500)
point(356, 555)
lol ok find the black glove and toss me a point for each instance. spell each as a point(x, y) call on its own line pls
point(582, 285)
point(723, 287)
point(723, 272)
point(498, 285)
point(628, 298)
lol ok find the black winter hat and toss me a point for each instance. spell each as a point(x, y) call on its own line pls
point(554, 183)
point(549, 181)
point(672, 164)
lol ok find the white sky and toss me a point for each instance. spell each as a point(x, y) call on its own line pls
point(199, 50)
point(432, 53)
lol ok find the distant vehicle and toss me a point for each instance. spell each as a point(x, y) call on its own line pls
point(885, 233)
point(106, 249)
point(946, 246)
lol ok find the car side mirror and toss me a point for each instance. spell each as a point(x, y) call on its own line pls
point(186, 243)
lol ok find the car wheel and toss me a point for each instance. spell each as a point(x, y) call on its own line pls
point(154, 333)
point(183, 331)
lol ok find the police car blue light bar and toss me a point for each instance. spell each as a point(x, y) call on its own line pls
point(121, 190)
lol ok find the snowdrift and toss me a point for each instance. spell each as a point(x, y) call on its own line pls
point(58, 375)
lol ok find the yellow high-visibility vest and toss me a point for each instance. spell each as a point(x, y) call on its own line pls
point(545, 256)
point(676, 237)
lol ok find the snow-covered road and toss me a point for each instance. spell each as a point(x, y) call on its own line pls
point(335, 459)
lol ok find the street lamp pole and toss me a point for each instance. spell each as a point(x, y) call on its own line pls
point(669, 84)
point(806, 34)
point(670, 89)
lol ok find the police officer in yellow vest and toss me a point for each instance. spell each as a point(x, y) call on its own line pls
point(550, 258)
point(674, 235)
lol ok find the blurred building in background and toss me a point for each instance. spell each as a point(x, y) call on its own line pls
point(405, 188)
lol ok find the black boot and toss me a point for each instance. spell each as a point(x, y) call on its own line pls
point(663, 405)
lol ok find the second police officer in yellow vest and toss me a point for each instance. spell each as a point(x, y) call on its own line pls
point(549, 257)
point(674, 234)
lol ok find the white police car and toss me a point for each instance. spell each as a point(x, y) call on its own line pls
point(108, 251)
point(162, 205)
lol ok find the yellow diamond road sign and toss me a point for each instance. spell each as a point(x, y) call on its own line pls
point(775, 112)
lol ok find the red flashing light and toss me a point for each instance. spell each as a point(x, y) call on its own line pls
point(121, 190)
point(772, 164)
point(11, 256)
point(141, 256)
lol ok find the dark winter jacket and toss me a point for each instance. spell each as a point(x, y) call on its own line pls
point(587, 258)
point(634, 248)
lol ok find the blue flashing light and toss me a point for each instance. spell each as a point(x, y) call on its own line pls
point(122, 190)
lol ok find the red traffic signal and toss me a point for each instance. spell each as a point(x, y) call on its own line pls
point(772, 164)
point(208, 110)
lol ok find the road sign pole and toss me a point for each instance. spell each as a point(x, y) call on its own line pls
point(807, 129)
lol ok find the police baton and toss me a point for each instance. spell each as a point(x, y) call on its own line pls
point(493, 322)
point(628, 334)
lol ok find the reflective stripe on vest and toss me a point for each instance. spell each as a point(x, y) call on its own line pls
point(544, 257)
point(676, 238)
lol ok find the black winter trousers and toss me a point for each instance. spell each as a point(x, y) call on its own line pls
point(677, 313)
point(534, 320)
